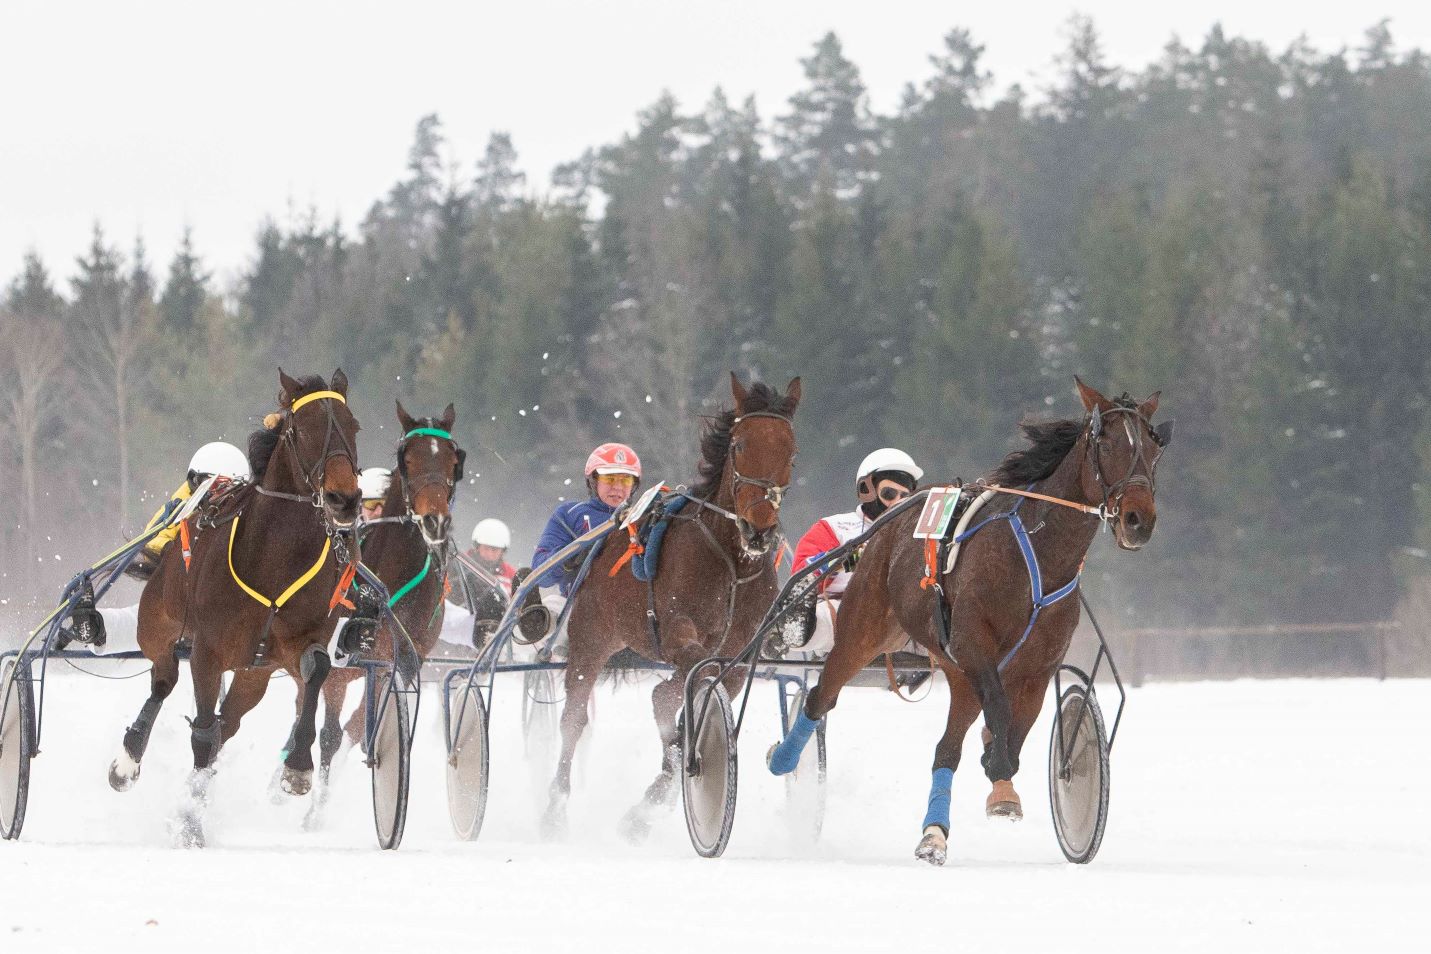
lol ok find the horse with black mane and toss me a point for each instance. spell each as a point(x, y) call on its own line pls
point(999, 621)
point(407, 550)
point(714, 579)
point(254, 592)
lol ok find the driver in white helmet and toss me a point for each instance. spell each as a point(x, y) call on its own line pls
point(483, 587)
point(87, 624)
point(884, 478)
point(373, 484)
point(490, 540)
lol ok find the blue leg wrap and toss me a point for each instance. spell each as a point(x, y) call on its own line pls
point(938, 813)
point(787, 754)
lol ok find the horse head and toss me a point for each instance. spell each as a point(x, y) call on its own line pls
point(430, 467)
point(322, 436)
point(1123, 451)
point(761, 456)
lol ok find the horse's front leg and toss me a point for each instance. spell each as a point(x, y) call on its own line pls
point(963, 710)
point(313, 667)
point(582, 669)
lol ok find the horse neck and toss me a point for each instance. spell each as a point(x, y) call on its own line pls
point(1067, 533)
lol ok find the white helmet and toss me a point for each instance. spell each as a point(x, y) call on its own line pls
point(888, 458)
point(220, 459)
point(492, 533)
point(373, 482)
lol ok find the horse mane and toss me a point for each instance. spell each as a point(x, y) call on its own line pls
point(715, 438)
point(1051, 440)
point(263, 442)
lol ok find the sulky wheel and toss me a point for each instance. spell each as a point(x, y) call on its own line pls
point(17, 737)
point(1078, 776)
point(805, 787)
point(467, 774)
point(708, 772)
point(391, 762)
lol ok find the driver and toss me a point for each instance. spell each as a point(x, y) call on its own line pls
point(883, 479)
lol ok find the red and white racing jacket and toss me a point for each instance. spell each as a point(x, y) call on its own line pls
point(823, 537)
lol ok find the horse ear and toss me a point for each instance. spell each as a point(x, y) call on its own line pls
point(1090, 397)
point(339, 382)
point(1150, 405)
point(448, 417)
point(405, 419)
point(737, 391)
point(792, 394)
point(289, 388)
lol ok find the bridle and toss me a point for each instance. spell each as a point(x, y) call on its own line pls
point(410, 487)
point(1141, 470)
point(774, 493)
point(312, 477)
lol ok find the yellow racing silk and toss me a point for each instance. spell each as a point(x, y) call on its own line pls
point(161, 540)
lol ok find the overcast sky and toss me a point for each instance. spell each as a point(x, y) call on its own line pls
point(150, 116)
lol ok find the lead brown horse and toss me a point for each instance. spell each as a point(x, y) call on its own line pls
point(714, 581)
point(1001, 653)
point(256, 594)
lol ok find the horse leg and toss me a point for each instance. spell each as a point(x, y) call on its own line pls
point(1026, 702)
point(963, 710)
point(124, 770)
point(580, 683)
point(330, 740)
point(245, 692)
point(205, 736)
point(998, 719)
point(666, 700)
point(313, 666)
point(861, 630)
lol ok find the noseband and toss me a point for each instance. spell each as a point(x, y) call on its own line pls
point(1113, 493)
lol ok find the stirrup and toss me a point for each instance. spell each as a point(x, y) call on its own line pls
point(360, 632)
point(86, 624)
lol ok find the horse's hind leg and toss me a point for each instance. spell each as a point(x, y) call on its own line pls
point(999, 766)
point(125, 768)
point(245, 692)
point(581, 676)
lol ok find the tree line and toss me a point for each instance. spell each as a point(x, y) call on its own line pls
point(1247, 230)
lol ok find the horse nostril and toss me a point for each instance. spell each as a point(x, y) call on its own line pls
point(337, 501)
point(1134, 521)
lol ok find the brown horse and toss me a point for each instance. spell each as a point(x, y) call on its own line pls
point(257, 592)
point(408, 553)
point(1002, 648)
point(715, 580)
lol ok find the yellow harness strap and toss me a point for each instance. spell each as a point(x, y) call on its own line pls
point(317, 396)
point(296, 585)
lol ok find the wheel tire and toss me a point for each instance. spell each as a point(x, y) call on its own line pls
point(467, 761)
point(17, 741)
point(709, 796)
point(391, 760)
point(1078, 797)
point(805, 787)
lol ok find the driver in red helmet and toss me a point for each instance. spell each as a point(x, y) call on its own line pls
point(612, 473)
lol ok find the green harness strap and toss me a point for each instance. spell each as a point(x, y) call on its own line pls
point(412, 583)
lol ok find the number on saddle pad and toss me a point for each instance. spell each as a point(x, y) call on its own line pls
point(938, 510)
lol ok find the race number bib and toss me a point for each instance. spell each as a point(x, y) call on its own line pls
point(938, 511)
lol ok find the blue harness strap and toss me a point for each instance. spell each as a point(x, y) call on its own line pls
point(1040, 598)
point(644, 565)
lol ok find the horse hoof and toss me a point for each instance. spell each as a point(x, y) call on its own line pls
point(188, 830)
point(933, 847)
point(122, 773)
point(554, 827)
point(636, 826)
point(1004, 802)
point(297, 782)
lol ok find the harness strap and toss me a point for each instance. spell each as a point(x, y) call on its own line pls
point(344, 581)
point(428, 432)
point(317, 396)
point(411, 584)
point(185, 543)
point(293, 587)
point(633, 549)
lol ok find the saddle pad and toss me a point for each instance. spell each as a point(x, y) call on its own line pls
point(963, 525)
point(644, 565)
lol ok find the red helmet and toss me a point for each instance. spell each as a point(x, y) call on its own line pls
point(613, 458)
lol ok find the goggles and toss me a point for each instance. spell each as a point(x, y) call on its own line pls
point(616, 480)
point(888, 491)
point(373, 502)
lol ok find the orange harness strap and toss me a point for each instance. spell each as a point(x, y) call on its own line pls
point(931, 564)
point(184, 543)
point(633, 549)
point(344, 581)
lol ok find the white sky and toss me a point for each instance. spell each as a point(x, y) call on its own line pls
point(147, 116)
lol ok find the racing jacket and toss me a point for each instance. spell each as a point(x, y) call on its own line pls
point(569, 521)
point(823, 537)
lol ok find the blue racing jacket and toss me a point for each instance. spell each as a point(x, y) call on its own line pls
point(570, 521)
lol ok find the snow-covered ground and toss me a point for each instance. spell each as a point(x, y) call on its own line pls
point(1245, 816)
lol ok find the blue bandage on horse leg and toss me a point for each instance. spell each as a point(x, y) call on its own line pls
point(786, 755)
point(938, 813)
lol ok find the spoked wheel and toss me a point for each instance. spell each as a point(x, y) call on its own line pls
point(805, 787)
point(17, 738)
point(541, 712)
point(1078, 776)
point(467, 774)
point(391, 762)
point(708, 774)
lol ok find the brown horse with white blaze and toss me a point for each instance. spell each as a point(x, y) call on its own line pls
point(715, 579)
point(1005, 641)
point(256, 593)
